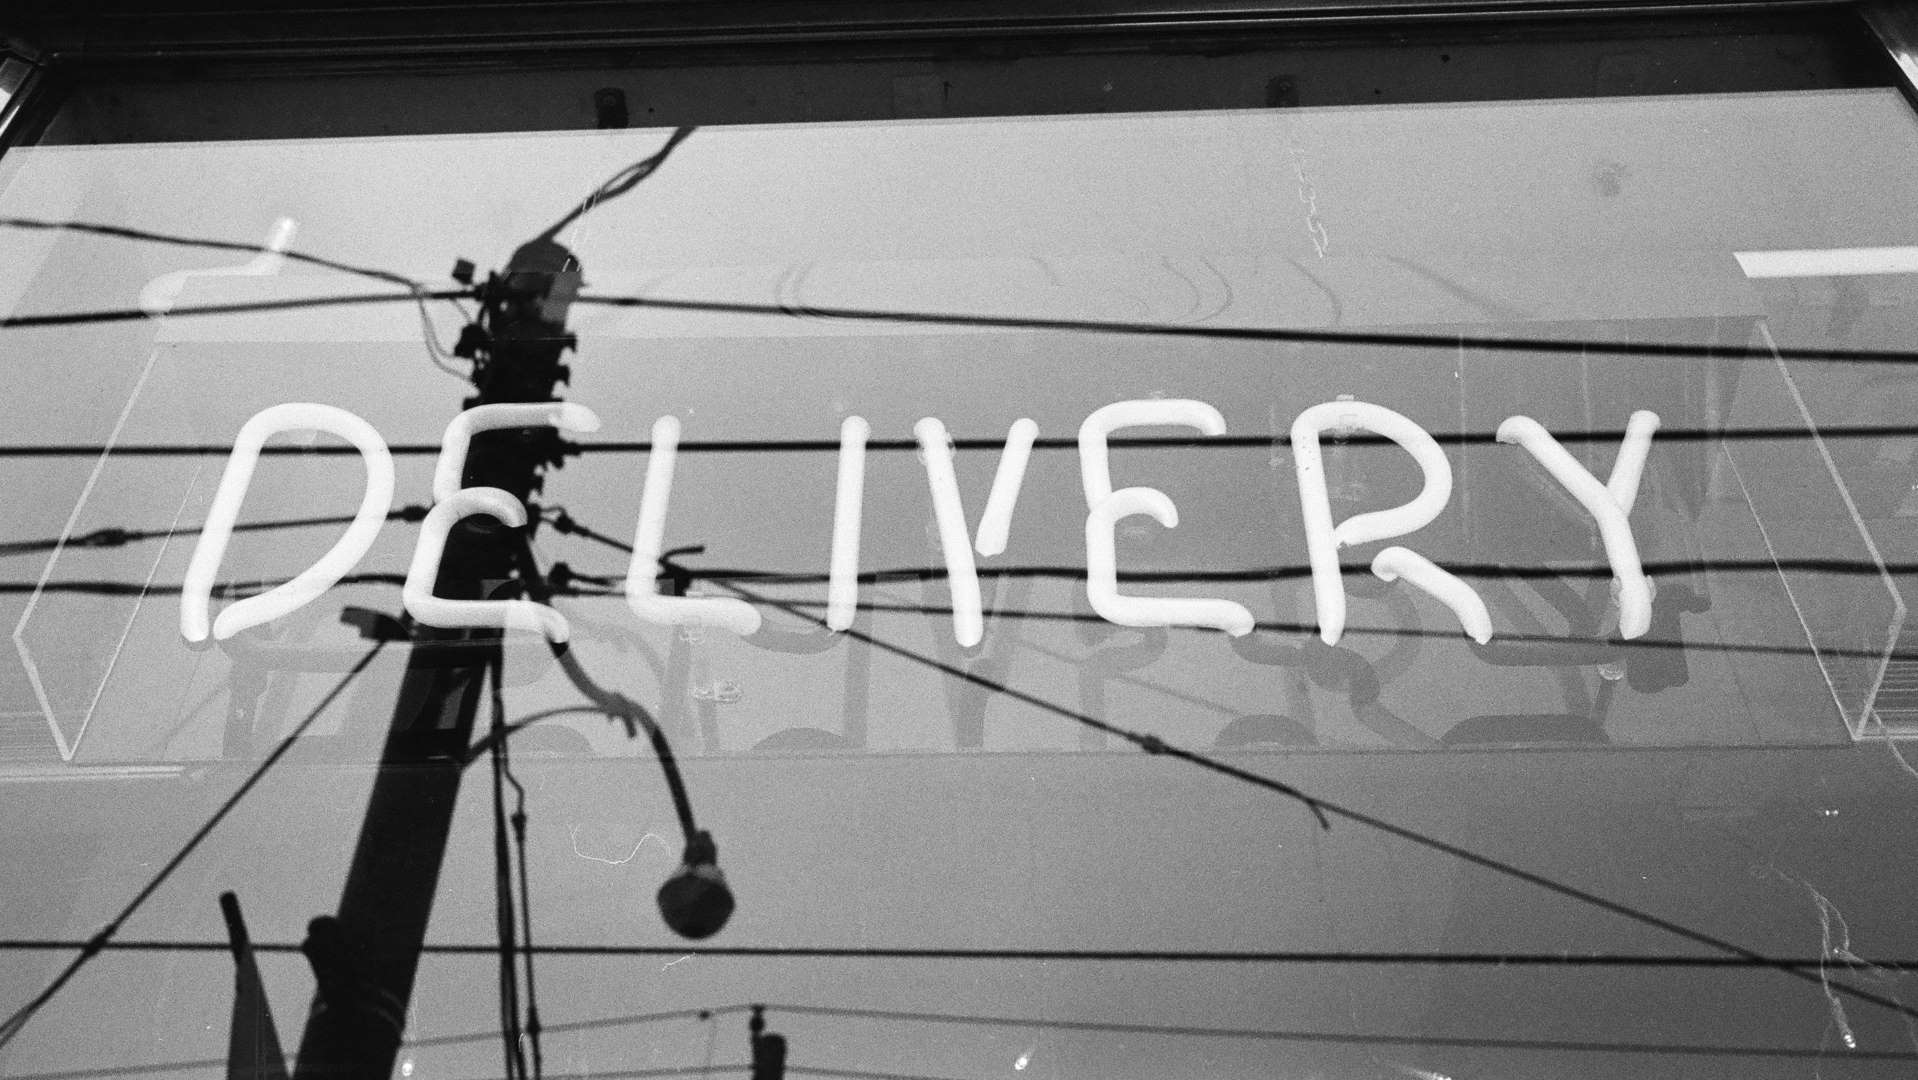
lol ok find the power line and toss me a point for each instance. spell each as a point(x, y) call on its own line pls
point(503, 884)
point(125, 233)
point(575, 1026)
point(1263, 626)
point(114, 315)
point(1321, 808)
point(799, 607)
point(434, 350)
point(1293, 572)
point(621, 182)
point(1575, 347)
point(113, 536)
point(1255, 575)
point(1041, 1023)
point(565, 523)
point(853, 1074)
point(679, 1070)
point(1503, 639)
point(486, 950)
point(1602, 436)
point(1268, 1035)
point(94, 945)
point(135, 588)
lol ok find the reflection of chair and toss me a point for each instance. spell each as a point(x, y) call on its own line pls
point(1525, 729)
point(803, 740)
point(1263, 729)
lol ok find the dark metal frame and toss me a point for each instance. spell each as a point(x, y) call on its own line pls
point(131, 32)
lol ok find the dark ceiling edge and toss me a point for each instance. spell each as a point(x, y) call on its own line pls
point(264, 30)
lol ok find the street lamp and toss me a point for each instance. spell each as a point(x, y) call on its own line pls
point(695, 901)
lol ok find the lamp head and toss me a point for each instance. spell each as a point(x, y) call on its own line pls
point(695, 901)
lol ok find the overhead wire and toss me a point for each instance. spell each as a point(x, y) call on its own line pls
point(621, 182)
point(15, 1023)
point(114, 536)
point(1274, 626)
point(1323, 809)
point(532, 1027)
point(901, 1016)
point(504, 915)
point(1585, 1046)
point(1067, 443)
point(723, 577)
point(485, 745)
point(1451, 342)
point(242, 307)
point(435, 351)
point(1492, 959)
point(624, 181)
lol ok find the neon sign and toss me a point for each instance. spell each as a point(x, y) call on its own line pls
point(1609, 503)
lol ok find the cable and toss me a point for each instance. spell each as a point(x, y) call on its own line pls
point(522, 724)
point(575, 1026)
point(1161, 1030)
point(1255, 575)
point(823, 446)
point(113, 315)
point(1436, 634)
point(682, 1070)
point(129, 588)
point(630, 177)
point(434, 350)
point(1102, 956)
point(122, 588)
point(616, 705)
point(503, 891)
point(12, 1026)
point(565, 523)
point(125, 233)
point(620, 183)
point(1287, 572)
point(1448, 342)
point(1321, 808)
point(854, 1074)
point(118, 537)
point(1670, 350)
point(1269, 1035)
point(500, 753)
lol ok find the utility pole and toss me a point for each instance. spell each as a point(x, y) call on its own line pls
point(365, 958)
point(769, 1048)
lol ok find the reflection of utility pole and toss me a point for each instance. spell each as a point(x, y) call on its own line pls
point(769, 1049)
point(366, 957)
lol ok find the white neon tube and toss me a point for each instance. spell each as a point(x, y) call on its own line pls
point(962, 576)
point(1629, 466)
point(1322, 538)
point(472, 614)
point(995, 527)
point(1095, 471)
point(1614, 527)
point(642, 590)
point(158, 296)
point(1828, 262)
point(1102, 571)
point(449, 471)
point(842, 580)
point(1396, 562)
point(377, 500)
